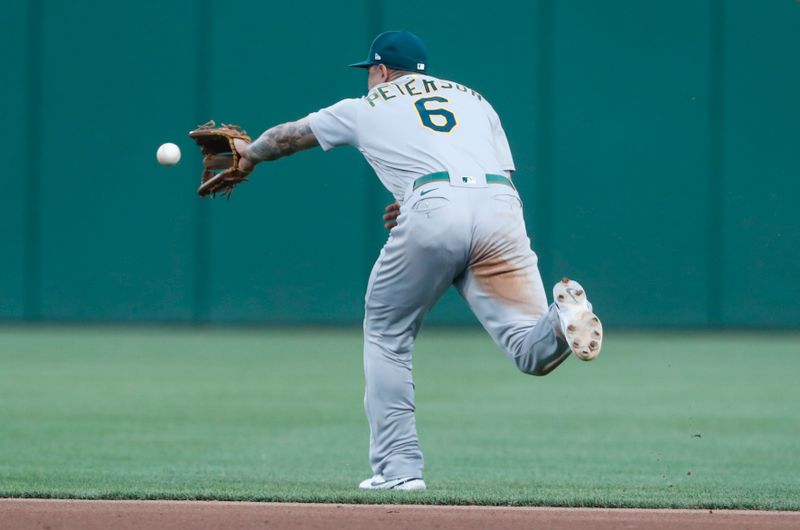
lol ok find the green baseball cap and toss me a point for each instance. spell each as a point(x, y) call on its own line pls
point(401, 50)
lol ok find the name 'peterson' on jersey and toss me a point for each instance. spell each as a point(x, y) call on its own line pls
point(414, 86)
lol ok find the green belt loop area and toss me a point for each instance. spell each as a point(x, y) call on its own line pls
point(499, 179)
point(441, 176)
point(444, 176)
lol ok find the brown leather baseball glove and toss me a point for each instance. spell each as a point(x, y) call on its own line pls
point(221, 171)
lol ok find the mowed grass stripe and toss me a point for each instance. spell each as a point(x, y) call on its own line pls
point(659, 420)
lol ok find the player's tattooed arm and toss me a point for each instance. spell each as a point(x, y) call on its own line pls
point(282, 140)
point(279, 141)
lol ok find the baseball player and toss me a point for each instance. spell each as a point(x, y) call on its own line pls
point(439, 148)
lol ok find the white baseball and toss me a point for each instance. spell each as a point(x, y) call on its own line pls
point(168, 154)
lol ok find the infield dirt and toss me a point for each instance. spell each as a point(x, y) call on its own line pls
point(46, 514)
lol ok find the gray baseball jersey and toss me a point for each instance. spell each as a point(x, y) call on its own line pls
point(462, 226)
point(436, 125)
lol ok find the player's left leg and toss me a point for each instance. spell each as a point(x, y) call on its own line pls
point(418, 263)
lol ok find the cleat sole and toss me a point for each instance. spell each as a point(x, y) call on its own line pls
point(582, 329)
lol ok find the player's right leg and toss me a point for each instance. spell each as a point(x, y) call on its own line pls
point(503, 287)
point(511, 305)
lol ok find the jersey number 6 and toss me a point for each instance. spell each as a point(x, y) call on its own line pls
point(426, 115)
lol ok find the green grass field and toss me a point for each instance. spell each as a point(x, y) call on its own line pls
point(659, 420)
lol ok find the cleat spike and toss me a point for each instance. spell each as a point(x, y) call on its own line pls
point(579, 292)
point(571, 328)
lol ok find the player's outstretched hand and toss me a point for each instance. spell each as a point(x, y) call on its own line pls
point(246, 165)
point(391, 215)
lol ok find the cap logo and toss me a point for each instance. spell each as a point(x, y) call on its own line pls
point(420, 66)
point(468, 180)
point(377, 56)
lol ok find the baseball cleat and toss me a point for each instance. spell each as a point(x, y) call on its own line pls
point(582, 330)
point(402, 484)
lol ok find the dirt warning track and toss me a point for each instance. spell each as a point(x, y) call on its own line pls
point(46, 514)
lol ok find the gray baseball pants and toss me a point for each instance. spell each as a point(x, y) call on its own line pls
point(472, 237)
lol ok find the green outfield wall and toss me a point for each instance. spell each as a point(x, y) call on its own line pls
point(657, 147)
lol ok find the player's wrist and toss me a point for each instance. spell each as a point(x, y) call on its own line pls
point(244, 151)
point(257, 151)
point(250, 155)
